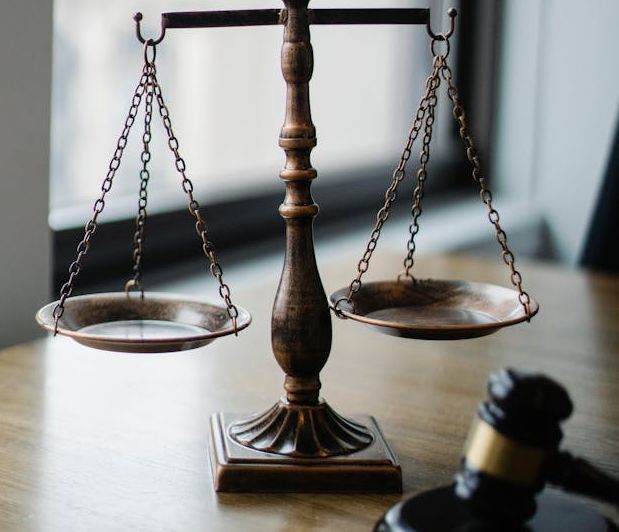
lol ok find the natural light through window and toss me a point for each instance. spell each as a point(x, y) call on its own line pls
point(226, 97)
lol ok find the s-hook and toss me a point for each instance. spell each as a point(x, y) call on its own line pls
point(138, 31)
point(452, 13)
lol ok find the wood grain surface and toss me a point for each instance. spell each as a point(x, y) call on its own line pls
point(91, 440)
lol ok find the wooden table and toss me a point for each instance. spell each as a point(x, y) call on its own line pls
point(95, 441)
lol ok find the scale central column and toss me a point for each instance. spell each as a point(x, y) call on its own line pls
point(301, 323)
point(300, 425)
point(300, 443)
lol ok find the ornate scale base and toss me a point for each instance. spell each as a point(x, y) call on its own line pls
point(301, 431)
point(238, 468)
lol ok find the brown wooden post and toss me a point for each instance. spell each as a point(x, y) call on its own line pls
point(301, 322)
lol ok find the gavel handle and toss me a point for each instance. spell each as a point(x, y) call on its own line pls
point(579, 476)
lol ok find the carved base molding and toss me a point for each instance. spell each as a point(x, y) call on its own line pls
point(237, 468)
point(301, 431)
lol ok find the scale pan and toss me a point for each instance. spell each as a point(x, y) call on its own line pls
point(434, 309)
point(158, 323)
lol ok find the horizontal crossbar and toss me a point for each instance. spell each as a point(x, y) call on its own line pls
point(271, 17)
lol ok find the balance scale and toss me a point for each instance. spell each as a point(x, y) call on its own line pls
point(300, 443)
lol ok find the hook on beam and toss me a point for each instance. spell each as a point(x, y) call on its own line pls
point(452, 13)
point(138, 31)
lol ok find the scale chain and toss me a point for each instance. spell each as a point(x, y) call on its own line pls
point(484, 193)
point(425, 111)
point(194, 207)
point(140, 221)
point(99, 205)
point(391, 194)
point(422, 173)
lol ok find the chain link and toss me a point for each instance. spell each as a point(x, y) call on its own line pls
point(425, 114)
point(140, 221)
point(194, 207)
point(82, 248)
point(391, 194)
point(422, 173)
point(484, 192)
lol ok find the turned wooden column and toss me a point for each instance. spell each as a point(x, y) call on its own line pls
point(301, 424)
point(301, 323)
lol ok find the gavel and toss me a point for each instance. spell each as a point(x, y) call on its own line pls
point(512, 452)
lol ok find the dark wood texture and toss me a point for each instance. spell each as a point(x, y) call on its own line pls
point(301, 323)
point(91, 440)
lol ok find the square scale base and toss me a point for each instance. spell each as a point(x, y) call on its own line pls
point(236, 468)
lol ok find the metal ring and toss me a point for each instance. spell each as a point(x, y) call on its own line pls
point(132, 284)
point(447, 45)
point(150, 44)
point(337, 311)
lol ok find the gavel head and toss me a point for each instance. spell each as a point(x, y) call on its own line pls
point(516, 432)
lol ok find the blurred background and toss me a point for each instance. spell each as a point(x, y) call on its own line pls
point(538, 81)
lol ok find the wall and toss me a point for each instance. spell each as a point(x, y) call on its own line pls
point(25, 58)
point(557, 111)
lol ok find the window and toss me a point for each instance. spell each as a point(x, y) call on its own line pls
point(226, 97)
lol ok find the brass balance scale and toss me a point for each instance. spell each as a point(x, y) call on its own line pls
point(300, 444)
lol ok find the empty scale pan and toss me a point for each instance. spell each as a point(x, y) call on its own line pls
point(433, 309)
point(155, 323)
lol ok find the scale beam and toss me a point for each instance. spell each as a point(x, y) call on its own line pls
point(369, 16)
point(223, 19)
point(279, 17)
point(273, 17)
